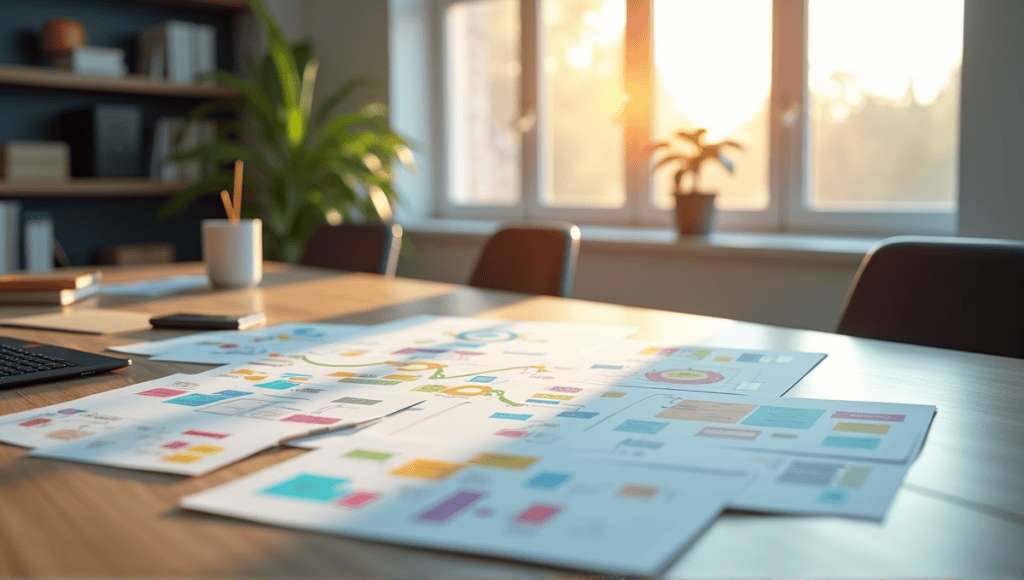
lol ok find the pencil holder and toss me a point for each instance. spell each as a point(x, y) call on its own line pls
point(233, 252)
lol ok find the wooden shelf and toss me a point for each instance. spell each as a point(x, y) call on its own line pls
point(233, 5)
point(89, 187)
point(38, 76)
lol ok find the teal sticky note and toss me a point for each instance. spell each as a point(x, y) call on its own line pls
point(785, 417)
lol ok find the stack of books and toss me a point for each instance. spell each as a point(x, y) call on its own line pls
point(60, 289)
point(35, 160)
point(94, 60)
point(178, 51)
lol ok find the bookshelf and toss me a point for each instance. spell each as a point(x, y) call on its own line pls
point(33, 96)
point(89, 187)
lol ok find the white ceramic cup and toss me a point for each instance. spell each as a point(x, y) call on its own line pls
point(233, 252)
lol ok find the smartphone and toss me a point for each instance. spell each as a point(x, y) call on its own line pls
point(209, 321)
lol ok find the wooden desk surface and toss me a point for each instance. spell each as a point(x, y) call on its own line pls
point(959, 513)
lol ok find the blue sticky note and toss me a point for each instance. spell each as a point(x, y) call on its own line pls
point(549, 479)
point(514, 416)
point(577, 414)
point(786, 417)
point(851, 442)
point(228, 394)
point(635, 426)
point(277, 385)
point(311, 487)
point(833, 496)
point(195, 400)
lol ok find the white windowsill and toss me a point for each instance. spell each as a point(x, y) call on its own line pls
point(664, 242)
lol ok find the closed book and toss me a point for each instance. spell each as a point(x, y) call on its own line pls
point(179, 51)
point(10, 235)
point(35, 160)
point(52, 281)
point(57, 297)
point(97, 60)
point(204, 51)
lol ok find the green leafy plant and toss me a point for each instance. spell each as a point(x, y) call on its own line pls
point(304, 165)
point(691, 157)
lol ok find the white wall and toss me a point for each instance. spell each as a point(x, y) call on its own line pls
point(992, 121)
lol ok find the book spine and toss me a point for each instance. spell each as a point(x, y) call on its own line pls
point(179, 51)
point(38, 244)
point(10, 231)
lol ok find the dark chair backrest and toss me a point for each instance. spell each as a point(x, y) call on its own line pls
point(533, 258)
point(370, 248)
point(957, 293)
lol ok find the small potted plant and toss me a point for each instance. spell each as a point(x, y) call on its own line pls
point(694, 208)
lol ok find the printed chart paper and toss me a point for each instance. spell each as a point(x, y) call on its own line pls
point(240, 346)
point(191, 426)
point(543, 507)
point(436, 335)
point(748, 372)
point(815, 427)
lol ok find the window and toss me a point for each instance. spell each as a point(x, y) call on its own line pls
point(848, 112)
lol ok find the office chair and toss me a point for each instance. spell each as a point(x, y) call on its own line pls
point(537, 258)
point(957, 293)
point(372, 248)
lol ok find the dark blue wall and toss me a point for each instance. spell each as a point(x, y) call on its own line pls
point(83, 225)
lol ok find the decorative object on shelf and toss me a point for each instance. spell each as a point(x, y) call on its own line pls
point(694, 208)
point(60, 36)
point(305, 164)
point(35, 161)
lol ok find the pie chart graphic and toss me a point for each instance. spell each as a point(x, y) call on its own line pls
point(685, 377)
point(487, 335)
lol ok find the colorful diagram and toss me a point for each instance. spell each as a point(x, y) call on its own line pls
point(685, 377)
point(488, 335)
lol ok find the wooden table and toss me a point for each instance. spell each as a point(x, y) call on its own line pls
point(959, 513)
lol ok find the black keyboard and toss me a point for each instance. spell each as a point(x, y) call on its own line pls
point(23, 362)
point(18, 361)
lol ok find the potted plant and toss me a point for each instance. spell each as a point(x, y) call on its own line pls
point(303, 164)
point(694, 208)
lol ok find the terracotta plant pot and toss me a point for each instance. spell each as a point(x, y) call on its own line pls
point(694, 212)
point(60, 36)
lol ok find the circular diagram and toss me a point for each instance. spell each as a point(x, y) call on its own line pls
point(685, 377)
point(485, 335)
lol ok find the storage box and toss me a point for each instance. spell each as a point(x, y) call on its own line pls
point(34, 160)
point(105, 140)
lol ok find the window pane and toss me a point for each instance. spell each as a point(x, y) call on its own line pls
point(884, 82)
point(583, 155)
point(712, 70)
point(483, 94)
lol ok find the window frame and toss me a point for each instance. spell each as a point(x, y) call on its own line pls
point(789, 178)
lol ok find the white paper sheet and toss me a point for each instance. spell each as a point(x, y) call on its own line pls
point(607, 419)
point(240, 346)
point(436, 335)
point(813, 427)
point(191, 425)
point(544, 507)
point(748, 372)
